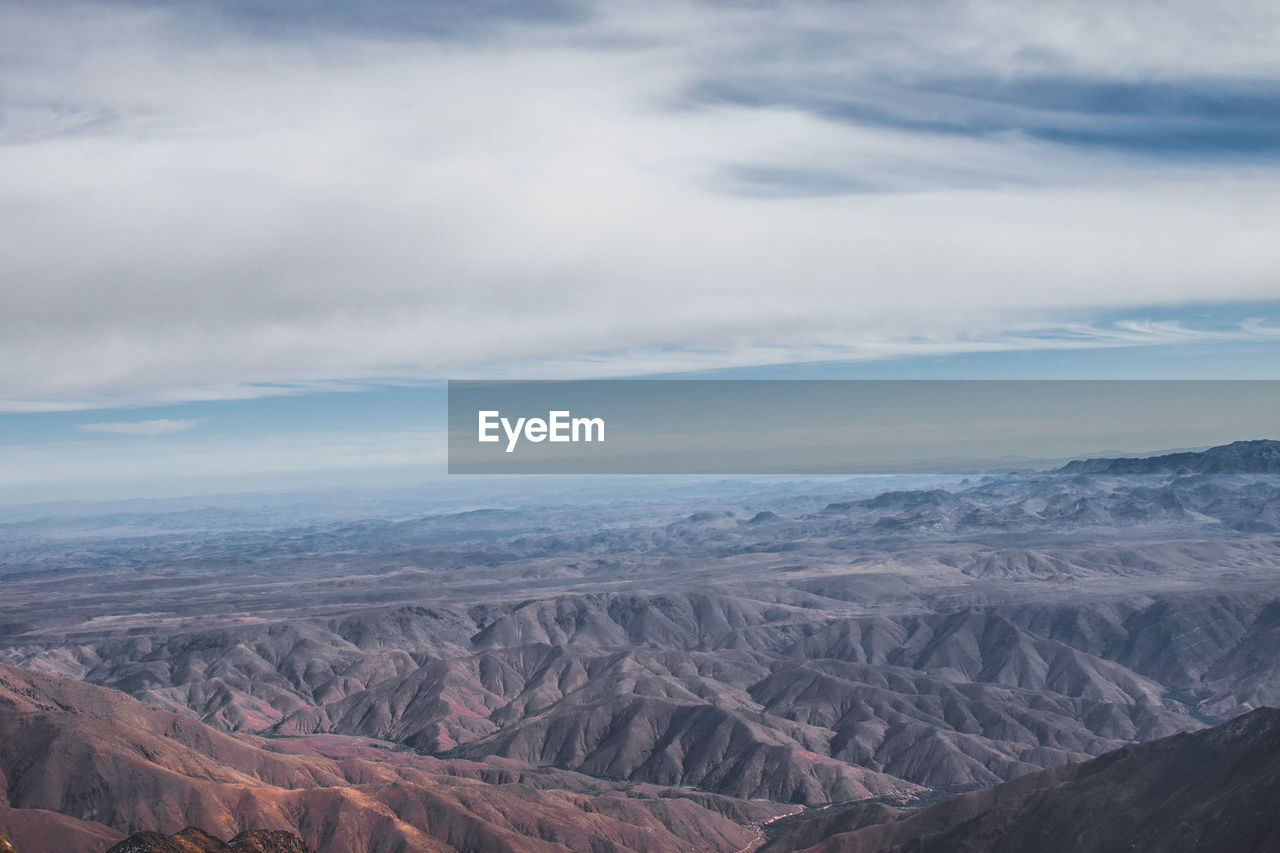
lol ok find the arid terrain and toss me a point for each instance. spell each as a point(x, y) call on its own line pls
point(702, 666)
point(1211, 790)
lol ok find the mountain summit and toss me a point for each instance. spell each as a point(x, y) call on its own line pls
point(1260, 456)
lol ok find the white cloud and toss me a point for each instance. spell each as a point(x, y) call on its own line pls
point(189, 214)
point(150, 428)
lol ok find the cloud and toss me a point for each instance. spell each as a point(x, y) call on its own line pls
point(395, 19)
point(149, 428)
point(217, 200)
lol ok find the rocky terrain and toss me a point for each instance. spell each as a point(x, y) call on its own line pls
point(195, 840)
point(1241, 457)
point(709, 655)
point(1211, 791)
point(83, 764)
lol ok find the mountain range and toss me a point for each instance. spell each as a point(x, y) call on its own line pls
point(1212, 791)
point(1260, 456)
point(671, 672)
point(84, 765)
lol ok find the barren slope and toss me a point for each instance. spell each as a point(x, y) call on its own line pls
point(1211, 791)
point(115, 765)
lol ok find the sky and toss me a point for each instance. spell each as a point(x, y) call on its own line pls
point(244, 242)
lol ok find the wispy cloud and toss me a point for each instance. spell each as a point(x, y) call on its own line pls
point(261, 200)
point(149, 428)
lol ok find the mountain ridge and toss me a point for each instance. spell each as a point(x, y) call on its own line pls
point(1208, 791)
point(108, 764)
point(1252, 456)
point(195, 840)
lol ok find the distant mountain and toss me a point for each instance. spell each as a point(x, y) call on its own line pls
point(1211, 791)
point(1261, 456)
point(193, 840)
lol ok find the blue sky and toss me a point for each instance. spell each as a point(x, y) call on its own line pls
point(394, 435)
point(250, 240)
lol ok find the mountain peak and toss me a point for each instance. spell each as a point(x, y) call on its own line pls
point(1255, 456)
